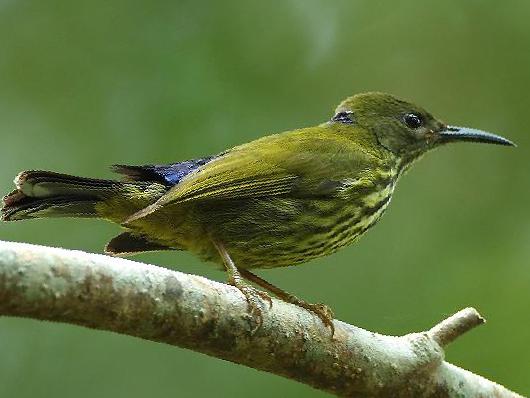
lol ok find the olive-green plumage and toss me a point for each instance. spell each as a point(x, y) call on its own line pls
point(276, 201)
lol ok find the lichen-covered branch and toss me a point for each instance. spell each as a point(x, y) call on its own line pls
point(193, 312)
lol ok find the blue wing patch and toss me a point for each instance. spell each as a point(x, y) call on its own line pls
point(169, 174)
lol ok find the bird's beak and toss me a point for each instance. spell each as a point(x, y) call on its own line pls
point(456, 134)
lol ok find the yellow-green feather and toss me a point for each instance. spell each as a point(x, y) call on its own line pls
point(279, 200)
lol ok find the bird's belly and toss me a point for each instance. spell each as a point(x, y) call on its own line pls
point(347, 225)
point(281, 232)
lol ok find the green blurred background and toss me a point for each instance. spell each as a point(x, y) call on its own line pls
point(87, 84)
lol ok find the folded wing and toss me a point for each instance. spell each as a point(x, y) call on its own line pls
point(291, 163)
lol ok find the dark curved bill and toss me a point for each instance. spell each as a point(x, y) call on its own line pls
point(455, 134)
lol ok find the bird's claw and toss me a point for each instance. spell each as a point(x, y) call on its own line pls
point(253, 295)
point(265, 296)
point(323, 312)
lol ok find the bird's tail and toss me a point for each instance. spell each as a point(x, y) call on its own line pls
point(41, 194)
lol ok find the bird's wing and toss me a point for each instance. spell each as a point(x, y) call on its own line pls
point(283, 164)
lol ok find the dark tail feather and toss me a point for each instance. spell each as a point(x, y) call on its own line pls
point(48, 194)
point(127, 243)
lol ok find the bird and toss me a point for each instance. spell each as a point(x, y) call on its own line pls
point(277, 201)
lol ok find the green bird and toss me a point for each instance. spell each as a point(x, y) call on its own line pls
point(280, 200)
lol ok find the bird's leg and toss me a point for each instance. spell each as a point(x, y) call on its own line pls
point(321, 310)
point(251, 294)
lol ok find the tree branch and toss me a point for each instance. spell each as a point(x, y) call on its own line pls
point(189, 311)
point(455, 326)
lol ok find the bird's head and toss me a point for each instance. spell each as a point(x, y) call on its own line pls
point(405, 129)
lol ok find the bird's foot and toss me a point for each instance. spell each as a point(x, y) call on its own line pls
point(253, 296)
point(321, 310)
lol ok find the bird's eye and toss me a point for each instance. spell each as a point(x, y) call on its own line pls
point(343, 117)
point(412, 120)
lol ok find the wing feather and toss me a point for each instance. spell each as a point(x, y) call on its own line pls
point(292, 163)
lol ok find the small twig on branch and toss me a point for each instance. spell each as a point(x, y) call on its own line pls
point(193, 312)
point(455, 326)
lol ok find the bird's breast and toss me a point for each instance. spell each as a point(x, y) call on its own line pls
point(359, 215)
point(326, 226)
